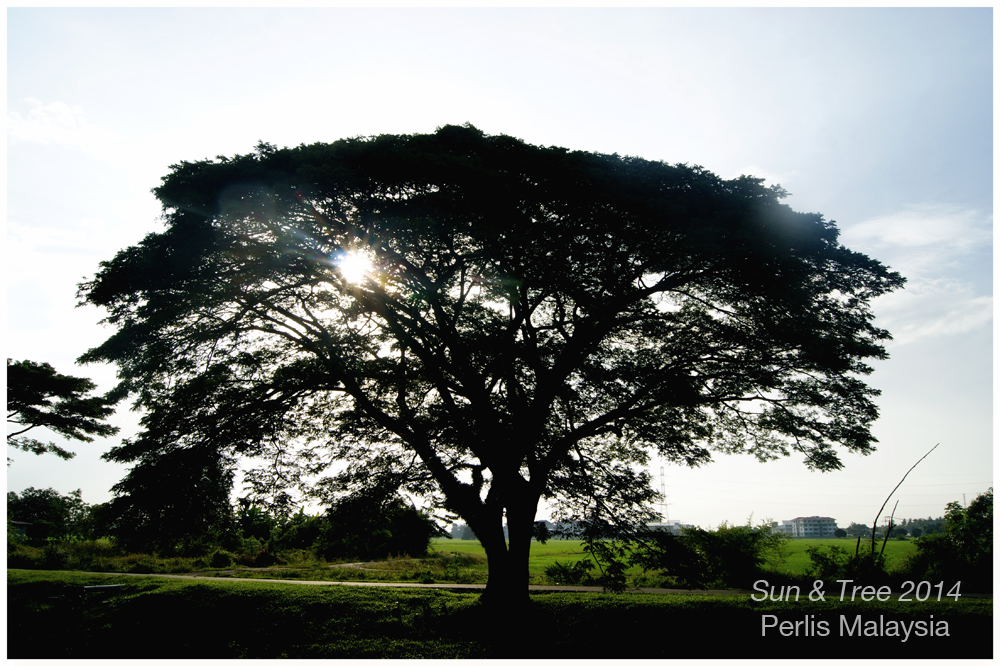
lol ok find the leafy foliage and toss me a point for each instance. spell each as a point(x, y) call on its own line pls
point(177, 500)
point(731, 555)
point(367, 527)
point(51, 514)
point(866, 566)
point(39, 397)
point(964, 552)
point(534, 321)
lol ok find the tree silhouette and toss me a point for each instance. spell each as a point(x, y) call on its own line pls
point(485, 322)
point(40, 397)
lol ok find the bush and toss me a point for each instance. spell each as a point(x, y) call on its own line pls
point(964, 552)
point(837, 563)
point(363, 527)
point(731, 555)
point(24, 557)
point(55, 555)
point(578, 574)
point(221, 560)
point(261, 558)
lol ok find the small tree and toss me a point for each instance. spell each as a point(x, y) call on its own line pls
point(839, 533)
point(370, 527)
point(916, 532)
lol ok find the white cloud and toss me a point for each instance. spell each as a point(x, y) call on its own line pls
point(921, 235)
point(932, 308)
point(60, 123)
point(939, 250)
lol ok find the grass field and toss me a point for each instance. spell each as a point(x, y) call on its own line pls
point(796, 559)
point(450, 561)
point(542, 554)
point(49, 616)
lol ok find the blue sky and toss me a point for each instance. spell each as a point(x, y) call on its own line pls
point(880, 119)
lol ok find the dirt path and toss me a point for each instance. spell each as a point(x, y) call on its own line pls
point(440, 586)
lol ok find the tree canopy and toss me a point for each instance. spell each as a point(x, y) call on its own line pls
point(40, 397)
point(485, 322)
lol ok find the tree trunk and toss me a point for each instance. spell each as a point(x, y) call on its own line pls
point(507, 585)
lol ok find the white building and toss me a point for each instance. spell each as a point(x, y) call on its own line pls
point(812, 527)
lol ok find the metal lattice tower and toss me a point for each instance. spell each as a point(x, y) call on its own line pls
point(664, 513)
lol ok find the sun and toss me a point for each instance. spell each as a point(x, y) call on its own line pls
point(354, 267)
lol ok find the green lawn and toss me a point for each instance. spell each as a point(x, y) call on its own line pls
point(797, 559)
point(542, 554)
point(567, 552)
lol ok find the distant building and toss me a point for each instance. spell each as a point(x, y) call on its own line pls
point(672, 526)
point(785, 528)
point(811, 527)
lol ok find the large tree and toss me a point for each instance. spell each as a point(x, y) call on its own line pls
point(40, 397)
point(489, 321)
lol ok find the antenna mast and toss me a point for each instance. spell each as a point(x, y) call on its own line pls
point(664, 513)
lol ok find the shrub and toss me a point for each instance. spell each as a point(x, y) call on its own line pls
point(221, 560)
point(364, 527)
point(55, 555)
point(24, 557)
point(964, 552)
point(731, 555)
point(577, 574)
point(262, 558)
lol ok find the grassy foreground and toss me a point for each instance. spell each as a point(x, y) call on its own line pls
point(48, 617)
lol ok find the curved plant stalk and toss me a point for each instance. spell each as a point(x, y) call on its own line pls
point(875, 524)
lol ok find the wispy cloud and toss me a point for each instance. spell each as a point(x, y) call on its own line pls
point(60, 123)
point(932, 246)
point(923, 240)
point(932, 308)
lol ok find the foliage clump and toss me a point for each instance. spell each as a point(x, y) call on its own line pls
point(730, 556)
point(963, 552)
point(40, 397)
point(362, 527)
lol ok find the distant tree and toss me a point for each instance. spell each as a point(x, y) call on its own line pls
point(254, 521)
point(915, 532)
point(929, 525)
point(899, 532)
point(839, 533)
point(40, 397)
point(858, 529)
point(542, 533)
point(375, 527)
point(178, 501)
point(51, 514)
point(300, 531)
point(498, 322)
